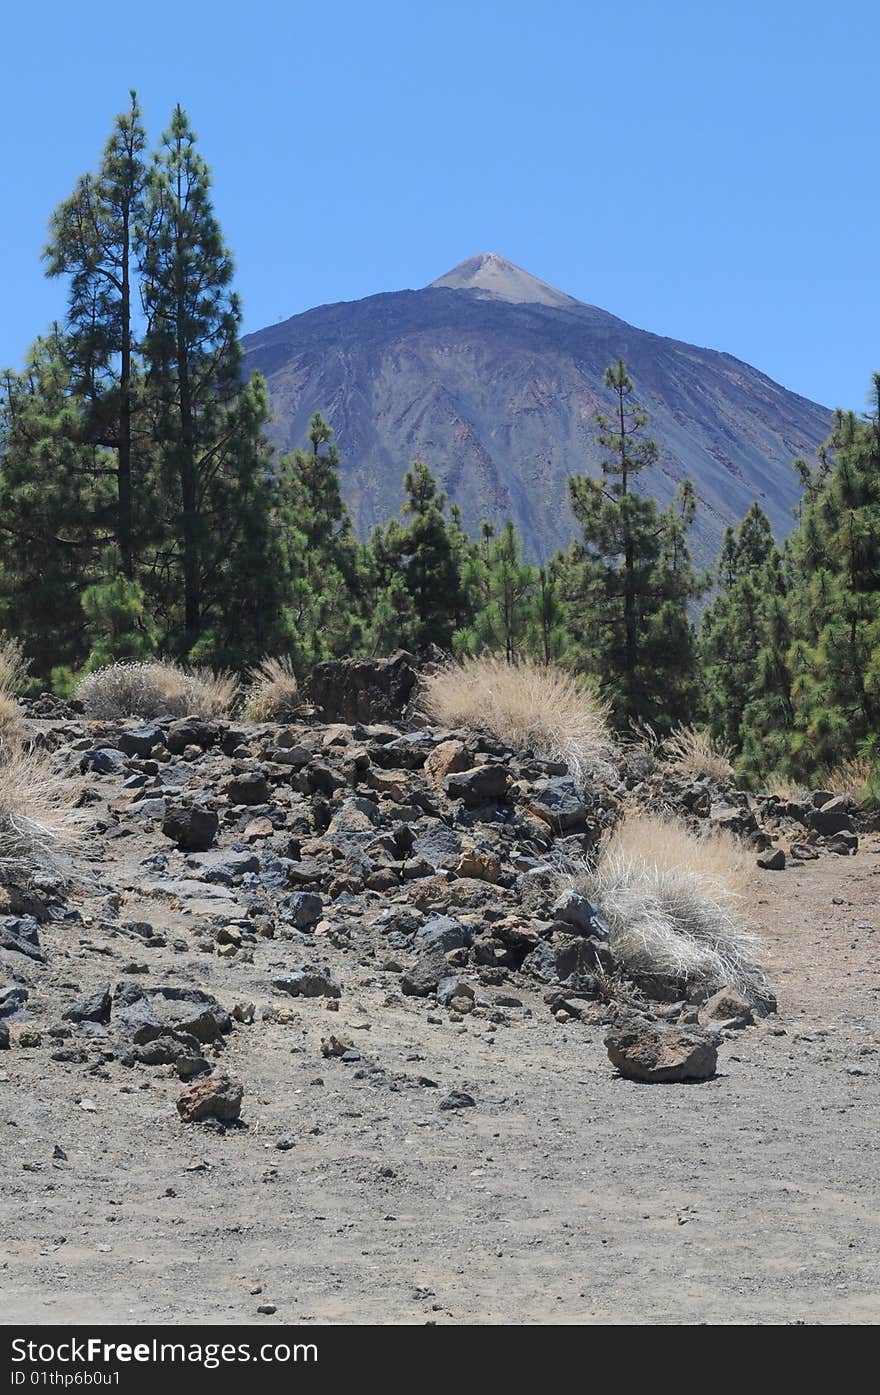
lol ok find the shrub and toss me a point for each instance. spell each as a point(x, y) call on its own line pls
point(673, 903)
point(37, 818)
point(542, 710)
point(859, 778)
point(13, 665)
point(695, 752)
point(274, 693)
point(154, 688)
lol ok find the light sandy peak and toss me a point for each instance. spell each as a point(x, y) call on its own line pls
point(493, 275)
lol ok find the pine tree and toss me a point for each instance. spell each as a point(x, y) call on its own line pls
point(93, 242)
point(835, 611)
point(627, 582)
point(744, 639)
point(207, 422)
point(503, 621)
point(57, 508)
point(328, 566)
point(430, 561)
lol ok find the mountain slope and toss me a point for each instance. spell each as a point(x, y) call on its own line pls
point(493, 377)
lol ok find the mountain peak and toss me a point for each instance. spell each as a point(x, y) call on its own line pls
point(492, 275)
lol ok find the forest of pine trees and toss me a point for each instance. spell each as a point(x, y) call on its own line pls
point(143, 512)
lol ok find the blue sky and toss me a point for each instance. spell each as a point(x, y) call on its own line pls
point(705, 170)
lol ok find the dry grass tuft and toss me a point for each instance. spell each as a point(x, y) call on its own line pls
point(856, 777)
point(696, 753)
point(542, 710)
point(673, 902)
point(37, 817)
point(274, 692)
point(155, 688)
point(13, 665)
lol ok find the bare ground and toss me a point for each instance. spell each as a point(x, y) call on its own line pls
point(567, 1195)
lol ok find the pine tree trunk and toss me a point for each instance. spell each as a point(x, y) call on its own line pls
point(124, 458)
point(186, 462)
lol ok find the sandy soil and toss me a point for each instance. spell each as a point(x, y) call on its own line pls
point(567, 1195)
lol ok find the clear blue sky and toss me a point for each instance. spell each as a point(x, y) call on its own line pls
point(706, 169)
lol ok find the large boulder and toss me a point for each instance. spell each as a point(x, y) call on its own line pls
point(216, 1096)
point(833, 817)
point(484, 784)
point(558, 803)
point(190, 827)
point(363, 690)
point(142, 1015)
point(653, 1051)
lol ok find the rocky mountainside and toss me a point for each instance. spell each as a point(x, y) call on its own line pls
point(493, 377)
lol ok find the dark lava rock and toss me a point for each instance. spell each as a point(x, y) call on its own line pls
point(191, 827)
point(153, 1012)
point(191, 731)
point(308, 983)
point(105, 761)
point(443, 933)
point(484, 784)
point(428, 972)
point(363, 690)
point(457, 1099)
point(251, 787)
point(93, 1008)
point(558, 804)
point(21, 934)
point(140, 741)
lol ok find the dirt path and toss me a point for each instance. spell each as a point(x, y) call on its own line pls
point(566, 1195)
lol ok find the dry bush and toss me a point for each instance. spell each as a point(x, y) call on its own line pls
point(13, 665)
point(13, 675)
point(673, 903)
point(274, 692)
point(37, 817)
point(155, 688)
point(853, 777)
point(695, 752)
point(542, 710)
point(11, 719)
point(785, 789)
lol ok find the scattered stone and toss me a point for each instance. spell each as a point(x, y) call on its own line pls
point(448, 758)
point(653, 1051)
point(833, 817)
point(250, 787)
point(218, 1096)
point(727, 1007)
point(308, 983)
point(457, 1099)
point(773, 860)
point(484, 784)
point(557, 803)
point(191, 827)
point(94, 1008)
point(21, 934)
point(575, 910)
